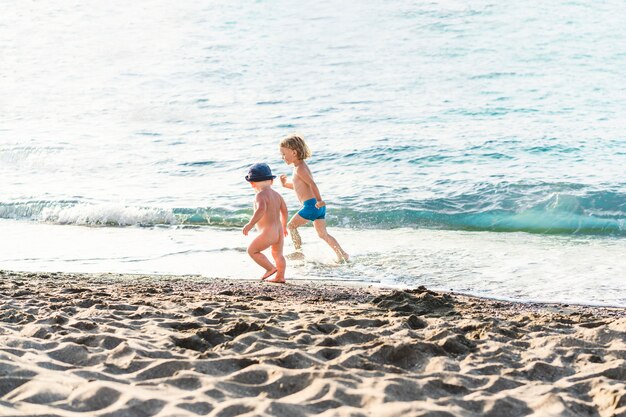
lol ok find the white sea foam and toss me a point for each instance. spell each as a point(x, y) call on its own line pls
point(106, 215)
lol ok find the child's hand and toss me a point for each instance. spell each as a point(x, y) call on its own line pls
point(320, 204)
point(285, 231)
point(283, 179)
point(247, 229)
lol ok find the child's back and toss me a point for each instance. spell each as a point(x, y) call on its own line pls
point(270, 221)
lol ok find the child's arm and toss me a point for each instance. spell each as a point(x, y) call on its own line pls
point(283, 180)
point(305, 175)
point(259, 212)
point(283, 215)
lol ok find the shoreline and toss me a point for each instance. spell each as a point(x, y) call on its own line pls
point(202, 279)
point(168, 345)
point(510, 267)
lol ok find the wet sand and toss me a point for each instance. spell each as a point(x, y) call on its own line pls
point(115, 345)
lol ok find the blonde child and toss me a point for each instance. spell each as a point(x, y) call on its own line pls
point(270, 218)
point(294, 151)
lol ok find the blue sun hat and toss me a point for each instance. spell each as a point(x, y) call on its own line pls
point(259, 172)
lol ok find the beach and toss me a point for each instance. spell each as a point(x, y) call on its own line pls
point(146, 345)
point(468, 157)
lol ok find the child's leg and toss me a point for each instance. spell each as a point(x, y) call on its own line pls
point(260, 243)
point(279, 259)
point(320, 228)
point(295, 222)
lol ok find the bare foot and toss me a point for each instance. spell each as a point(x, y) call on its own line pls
point(296, 256)
point(343, 259)
point(277, 280)
point(269, 274)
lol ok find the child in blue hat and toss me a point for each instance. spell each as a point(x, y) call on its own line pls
point(270, 218)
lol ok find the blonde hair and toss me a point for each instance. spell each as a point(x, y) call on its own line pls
point(296, 143)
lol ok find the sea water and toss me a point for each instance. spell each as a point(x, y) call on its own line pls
point(478, 148)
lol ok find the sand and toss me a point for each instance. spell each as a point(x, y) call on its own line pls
point(112, 345)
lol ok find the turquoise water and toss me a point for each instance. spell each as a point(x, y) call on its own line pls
point(441, 120)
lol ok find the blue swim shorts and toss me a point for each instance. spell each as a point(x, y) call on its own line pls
point(310, 212)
